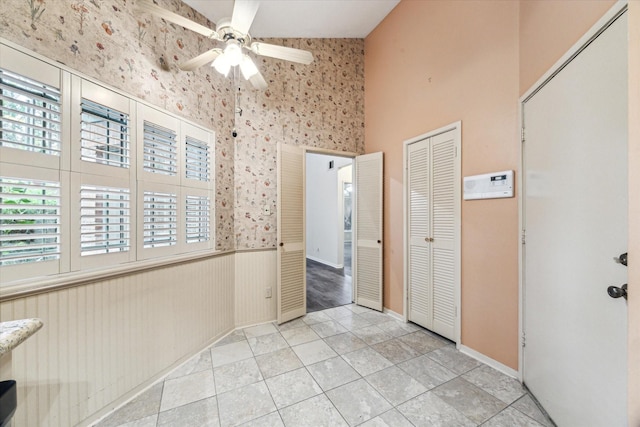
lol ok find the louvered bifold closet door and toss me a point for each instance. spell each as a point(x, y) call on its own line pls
point(291, 259)
point(419, 226)
point(367, 269)
point(443, 232)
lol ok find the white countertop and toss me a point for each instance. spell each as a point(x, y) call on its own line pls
point(15, 332)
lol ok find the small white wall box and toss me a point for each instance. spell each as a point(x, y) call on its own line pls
point(494, 185)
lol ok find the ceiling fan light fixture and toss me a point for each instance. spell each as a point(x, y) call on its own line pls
point(233, 52)
point(247, 67)
point(221, 64)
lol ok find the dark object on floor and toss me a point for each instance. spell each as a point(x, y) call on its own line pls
point(8, 401)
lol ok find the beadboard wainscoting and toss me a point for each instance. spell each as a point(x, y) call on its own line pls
point(255, 272)
point(103, 342)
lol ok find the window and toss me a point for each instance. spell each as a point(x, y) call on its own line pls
point(104, 135)
point(29, 115)
point(197, 160)
point(160, 213)
point(160, 154)
point(91, 179)
point(198, 219)
point(105, 220)
point(29, 221)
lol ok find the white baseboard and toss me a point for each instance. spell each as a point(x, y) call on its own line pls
point(250, 325)
point(119, 403)
point(393, 314)
point(322, 261)
point(489, 361)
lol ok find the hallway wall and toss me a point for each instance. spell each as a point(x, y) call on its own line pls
point(323, 221)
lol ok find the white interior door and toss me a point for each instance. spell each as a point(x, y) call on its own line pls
point(291, 258)
point(575, 219)
point(367, 247)
point(433, 224)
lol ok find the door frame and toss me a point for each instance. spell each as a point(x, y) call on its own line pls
point(326, 152)
point(457, 128)
point(618, 8)
point(341, 213)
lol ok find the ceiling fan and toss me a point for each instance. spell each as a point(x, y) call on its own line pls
point(234, 33)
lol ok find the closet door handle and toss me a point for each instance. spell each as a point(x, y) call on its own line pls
point(428, 239)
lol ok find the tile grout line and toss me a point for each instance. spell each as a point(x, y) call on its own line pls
point(335, 321)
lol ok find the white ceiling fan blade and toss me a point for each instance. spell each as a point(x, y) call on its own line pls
point(200, 60)
point(282, 52)
point(258, 81)
point(149, 6)
point(243, 13)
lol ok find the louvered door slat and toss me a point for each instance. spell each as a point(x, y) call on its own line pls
point(367, 273)
point(291, 302)
point(443, 194)
point(419, 265)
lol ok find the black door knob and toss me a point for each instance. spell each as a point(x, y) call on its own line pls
point(622, 259)
point(281, 243)
point(617, 292)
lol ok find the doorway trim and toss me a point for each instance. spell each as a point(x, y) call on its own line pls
point(457, 128)
point(341, 209)
point(326, 152)
point(601, 25)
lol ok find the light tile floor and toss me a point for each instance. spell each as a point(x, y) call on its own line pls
point(344, 366)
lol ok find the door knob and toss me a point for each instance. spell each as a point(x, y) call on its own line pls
point(622, 259)
point(281, 243)
point(617, 292)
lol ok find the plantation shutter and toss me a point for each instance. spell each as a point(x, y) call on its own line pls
point(160, 150)
point(367, 274)
point(104, 135)
point(198, 219)
point(160, 219)
point(29, 221)
point(197, 160)
point(29, 114)
point(105, 218)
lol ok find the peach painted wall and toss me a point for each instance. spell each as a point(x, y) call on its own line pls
point(432, 63)
point(634, 213)
point(428, 64)
point(549, 28)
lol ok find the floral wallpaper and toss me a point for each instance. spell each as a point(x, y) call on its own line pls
point(317, 105)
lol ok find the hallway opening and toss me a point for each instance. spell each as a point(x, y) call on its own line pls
point(329, 195)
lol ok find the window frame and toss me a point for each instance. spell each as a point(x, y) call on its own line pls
point(83, 262)
point(41, 268)
point(72, 173)
point(50, 75)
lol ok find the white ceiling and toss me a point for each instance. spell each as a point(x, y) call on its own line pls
point(305, 18)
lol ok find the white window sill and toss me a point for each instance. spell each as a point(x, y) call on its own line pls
point(28, 287)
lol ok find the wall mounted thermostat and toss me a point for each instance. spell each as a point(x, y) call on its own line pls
point(488, 186)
